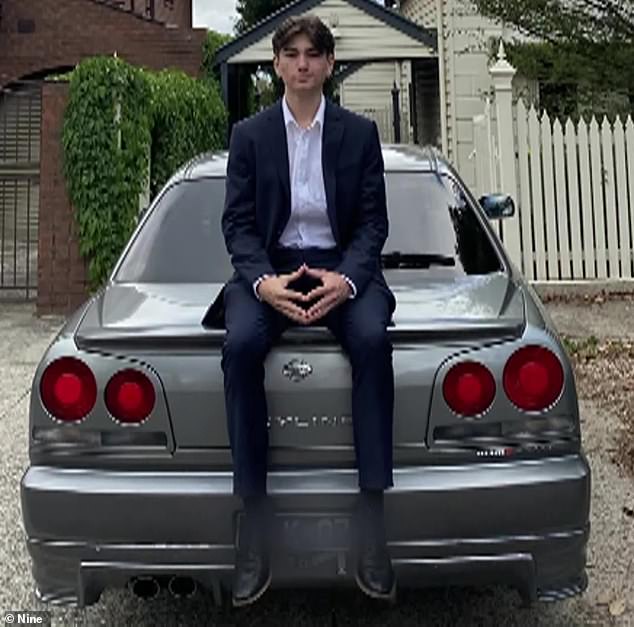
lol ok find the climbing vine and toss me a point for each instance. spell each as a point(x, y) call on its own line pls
point(189, 117)
point(124, 129)
point(106, 137)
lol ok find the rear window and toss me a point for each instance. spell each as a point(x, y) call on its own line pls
point(182, 241)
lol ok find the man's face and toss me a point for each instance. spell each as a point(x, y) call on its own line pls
point(302, 68)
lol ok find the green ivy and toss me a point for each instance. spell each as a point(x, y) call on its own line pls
point(189, 118)
point(117, 116)
point(106, 156)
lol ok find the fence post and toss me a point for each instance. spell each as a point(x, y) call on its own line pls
point(502, 73)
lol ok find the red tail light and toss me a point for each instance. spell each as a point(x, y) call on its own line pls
point(469, 388)
point(130, 396)
point(68, 389)
point(533, 378)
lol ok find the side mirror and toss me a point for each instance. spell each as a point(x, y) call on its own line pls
point(498, 206)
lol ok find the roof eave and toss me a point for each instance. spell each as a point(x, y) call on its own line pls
point(426, 36)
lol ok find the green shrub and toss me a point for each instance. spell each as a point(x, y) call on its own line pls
point(189, 117)
point(106, 156)
point(117, 117)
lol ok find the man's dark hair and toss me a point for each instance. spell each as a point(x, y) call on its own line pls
point(311, 26)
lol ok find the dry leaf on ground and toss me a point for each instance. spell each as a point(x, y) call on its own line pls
point(603, 372)
point(617, 607)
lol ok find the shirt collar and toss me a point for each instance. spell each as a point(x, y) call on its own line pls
point(289, 118)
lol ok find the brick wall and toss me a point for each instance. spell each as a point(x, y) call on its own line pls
point(176, 12)
point(40, 35)
point(61, 270)
point(172, 12)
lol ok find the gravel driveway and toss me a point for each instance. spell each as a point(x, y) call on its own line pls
point(609, 599)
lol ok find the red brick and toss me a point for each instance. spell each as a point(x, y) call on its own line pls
point(66, 31)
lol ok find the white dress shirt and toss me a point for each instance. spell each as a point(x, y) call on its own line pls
point(308, 225)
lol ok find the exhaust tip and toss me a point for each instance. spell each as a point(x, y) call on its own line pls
point(145, 587)
point(182, 587)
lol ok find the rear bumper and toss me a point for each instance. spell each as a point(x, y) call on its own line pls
point(520, 523)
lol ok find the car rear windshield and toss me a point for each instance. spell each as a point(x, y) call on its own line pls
point(432, 223)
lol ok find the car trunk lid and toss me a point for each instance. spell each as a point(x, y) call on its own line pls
point(308, 378)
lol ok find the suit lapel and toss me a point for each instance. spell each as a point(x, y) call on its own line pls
point(332, 136)
point(279, 147)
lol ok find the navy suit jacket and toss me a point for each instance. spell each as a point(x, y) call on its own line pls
point(258, 194)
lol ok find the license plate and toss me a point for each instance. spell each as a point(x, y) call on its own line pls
point(301, 533)
point(306, 533)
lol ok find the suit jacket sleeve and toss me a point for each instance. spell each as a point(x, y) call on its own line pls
point(242, 237)
point(361, 258)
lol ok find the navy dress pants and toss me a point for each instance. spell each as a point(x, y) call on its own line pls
point(359, 325)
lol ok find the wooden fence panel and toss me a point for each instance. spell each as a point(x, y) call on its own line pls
point(524, 199)
point(598, 211)
point(586, 202)
point(572, 165)
point(550, 210)
point(625, 244)
point(610, 199)
point(629, 149)
point(562, 202)
point(534, 150)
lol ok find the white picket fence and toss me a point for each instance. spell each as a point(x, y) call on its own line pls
point(573, 184)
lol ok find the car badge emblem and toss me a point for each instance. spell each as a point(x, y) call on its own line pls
point(297, 369)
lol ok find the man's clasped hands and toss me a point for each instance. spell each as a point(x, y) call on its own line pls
point(332, 291)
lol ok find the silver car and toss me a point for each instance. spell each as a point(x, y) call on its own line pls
point(130, 476)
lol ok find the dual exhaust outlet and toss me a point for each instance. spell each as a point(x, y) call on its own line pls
point(149, 587)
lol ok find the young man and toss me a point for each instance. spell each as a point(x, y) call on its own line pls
point(305, 221)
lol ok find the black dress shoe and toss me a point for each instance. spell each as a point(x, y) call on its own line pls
point(252, 570)
point(374, 573)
